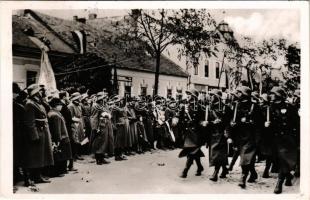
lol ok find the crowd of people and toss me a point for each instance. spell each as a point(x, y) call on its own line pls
point(52, 131)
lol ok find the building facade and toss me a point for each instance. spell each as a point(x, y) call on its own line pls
point(139, 83)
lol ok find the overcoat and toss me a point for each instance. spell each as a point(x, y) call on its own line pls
point(245, 132)
point(218, 147)
point(190, 119)
point(38, 143)
point(284, 125)
point(18, 136)
point(59, 135)
point(120, 127)
point(76, 111)
point(102, 142)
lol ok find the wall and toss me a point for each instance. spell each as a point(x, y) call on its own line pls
point(211, 80)
point(20, 67)
point(147, 79)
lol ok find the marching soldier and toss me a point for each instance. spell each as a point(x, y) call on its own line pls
point(284, 125)
point(217, 123)
point(244, 134)
point(191, 118)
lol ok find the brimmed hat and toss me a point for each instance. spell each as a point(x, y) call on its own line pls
point(105, 115)
point(84, 96)
point(75, 119)
point(55, 102)
point(244, 90)
point(193, 92)
point(75, 96)
point(278, 91)
point(297, 93)
point(255, 95)
point(264, 97)
point(216, 92)
point(33, 89)
point(172, 105)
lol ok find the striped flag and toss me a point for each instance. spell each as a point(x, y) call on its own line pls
point(47, 76)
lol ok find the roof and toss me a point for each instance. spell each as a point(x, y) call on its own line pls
point(99, 42)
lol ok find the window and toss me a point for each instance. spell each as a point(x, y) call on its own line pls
point(31, 77)
point(127, 89)
point(169, 93)
point(217, 70)
point(195, 70)
point(207, 69)
point(143, 91)
point(179, 95)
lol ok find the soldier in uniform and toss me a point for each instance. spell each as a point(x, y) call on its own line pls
point(218, 121)
point(191, 119)
point(38, 143)
point(284, 125)
point(243, 134)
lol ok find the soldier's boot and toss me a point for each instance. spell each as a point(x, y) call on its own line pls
point(288, 179)
point(224, 172)
point(215, 173)
point(274, 168)
point(278, 188)
point(253, 176)
point(98, 159)
point(189, 163)
point(27, 180)
point(266, 171)
point(233, 161)
point(200, 167)
point(242, 182)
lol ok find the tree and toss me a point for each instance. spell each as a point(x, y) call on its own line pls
point(154, 30)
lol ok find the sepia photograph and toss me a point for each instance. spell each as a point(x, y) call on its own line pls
point(157, 100)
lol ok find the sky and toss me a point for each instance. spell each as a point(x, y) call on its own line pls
point(256, 23)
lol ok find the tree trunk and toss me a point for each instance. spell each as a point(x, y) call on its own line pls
point(157, 74)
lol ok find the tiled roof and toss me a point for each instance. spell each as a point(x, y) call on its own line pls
point(104, 46)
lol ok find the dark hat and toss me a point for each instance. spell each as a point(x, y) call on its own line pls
point(16, 88)
point(244, 90)
point(216, 92)
point(193, 92)
point(278, 91)
point(33, 89)
point(55, 102)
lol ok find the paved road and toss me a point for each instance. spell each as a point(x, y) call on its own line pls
point(156, 172)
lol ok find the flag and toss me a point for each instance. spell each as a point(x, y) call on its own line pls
point(47, 77)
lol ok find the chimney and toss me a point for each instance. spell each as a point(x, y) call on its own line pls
point(75, 18)
point(92, 16)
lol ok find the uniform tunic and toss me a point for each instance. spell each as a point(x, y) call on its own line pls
point(59, 134)
point(190, 122)
point(121, 127)
point(38, 143)
point(245, 131)
point(217, 140)
point(76, 111)
point(102, 140)
point(284, 125)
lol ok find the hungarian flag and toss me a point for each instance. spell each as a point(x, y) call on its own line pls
point(47, 76)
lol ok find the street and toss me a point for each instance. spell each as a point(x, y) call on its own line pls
point(156, 172)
